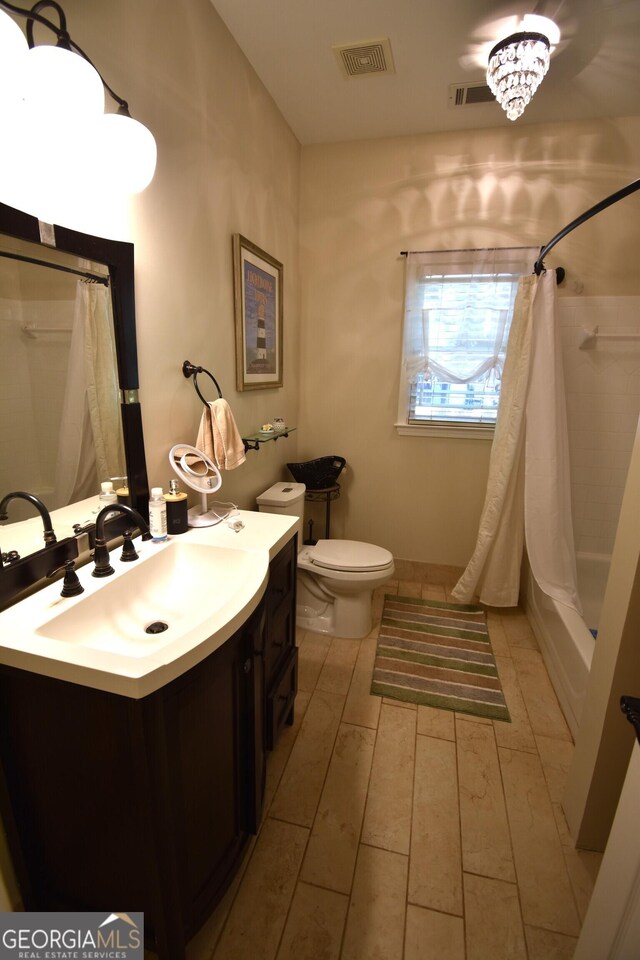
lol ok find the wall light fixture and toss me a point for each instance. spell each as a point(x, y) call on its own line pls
point(52, 112)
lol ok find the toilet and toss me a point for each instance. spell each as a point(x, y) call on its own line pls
point(336, 578)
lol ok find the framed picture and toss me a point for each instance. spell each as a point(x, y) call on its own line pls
point(257, 281)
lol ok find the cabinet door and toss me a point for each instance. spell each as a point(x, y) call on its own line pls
point(281, 610)
point(254, 638)
point(149, 802)
point(281, 696)
point(206, 721)
point(75, 795)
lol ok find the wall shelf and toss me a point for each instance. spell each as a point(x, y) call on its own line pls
point(253, 441)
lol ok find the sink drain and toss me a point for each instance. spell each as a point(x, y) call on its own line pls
point(158, 626)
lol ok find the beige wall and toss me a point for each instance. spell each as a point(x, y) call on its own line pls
point(364, 202)
point(227, 163)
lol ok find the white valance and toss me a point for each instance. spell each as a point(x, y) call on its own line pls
point(457, 309)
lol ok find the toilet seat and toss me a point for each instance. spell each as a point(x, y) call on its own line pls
point(349, 556)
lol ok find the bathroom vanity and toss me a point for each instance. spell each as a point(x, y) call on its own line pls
point(136, 785)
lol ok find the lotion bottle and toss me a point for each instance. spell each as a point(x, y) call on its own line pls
point(157, 515)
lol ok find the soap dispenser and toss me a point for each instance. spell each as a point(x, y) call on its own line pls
point(107, 493)
point(107, 496)
point(177, 513)
point(122, 492)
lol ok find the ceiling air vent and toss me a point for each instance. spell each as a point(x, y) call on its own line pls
point(365, 58)
point(466, 94)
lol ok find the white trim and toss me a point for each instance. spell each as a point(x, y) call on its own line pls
point(450, 267)
point(612, 923)
point(456, 429)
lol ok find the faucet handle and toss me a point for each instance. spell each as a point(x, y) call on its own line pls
point(71, 586)
point(128, 550)
point(79, 528)
point(102, 567)
point(10, 557)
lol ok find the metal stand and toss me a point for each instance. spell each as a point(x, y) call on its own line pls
point(326, 495)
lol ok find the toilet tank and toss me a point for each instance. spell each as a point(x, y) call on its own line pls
point(287, 499)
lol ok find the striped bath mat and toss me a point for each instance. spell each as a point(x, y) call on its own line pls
point(439, 654)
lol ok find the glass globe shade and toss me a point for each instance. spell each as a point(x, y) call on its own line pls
point(59, 83)
point(13, 42)
point(46, 168)
point(126, 153)
point(13, 175)
point(13, 51)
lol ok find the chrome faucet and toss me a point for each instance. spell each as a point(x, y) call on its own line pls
point(49, 535)
point(103, 567)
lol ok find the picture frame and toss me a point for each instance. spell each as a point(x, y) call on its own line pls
point(257, 283)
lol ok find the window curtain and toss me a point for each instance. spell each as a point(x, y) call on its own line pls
point(455, 285)
point(527, 497)
point(90, 447)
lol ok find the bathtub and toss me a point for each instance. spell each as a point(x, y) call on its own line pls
point(565, 638)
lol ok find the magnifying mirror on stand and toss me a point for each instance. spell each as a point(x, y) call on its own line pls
point(200, 473)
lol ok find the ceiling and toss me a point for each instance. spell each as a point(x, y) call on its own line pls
point(594, 72)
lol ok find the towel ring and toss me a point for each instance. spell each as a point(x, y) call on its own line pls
point(189, 370)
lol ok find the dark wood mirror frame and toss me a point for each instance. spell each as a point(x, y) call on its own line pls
point(117, 255)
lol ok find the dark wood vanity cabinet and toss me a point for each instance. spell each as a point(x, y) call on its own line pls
point(281, 653)
point(121, 804)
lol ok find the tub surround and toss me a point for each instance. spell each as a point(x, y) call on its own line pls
point(566, 646)
point(603, 404)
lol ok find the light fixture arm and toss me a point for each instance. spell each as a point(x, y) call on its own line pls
point(64, 39)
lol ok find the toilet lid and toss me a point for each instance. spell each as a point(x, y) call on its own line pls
point(349, 555)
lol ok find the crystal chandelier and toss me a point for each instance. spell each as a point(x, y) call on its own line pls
point(516, 68)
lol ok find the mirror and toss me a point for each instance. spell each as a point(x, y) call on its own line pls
point(64, 426)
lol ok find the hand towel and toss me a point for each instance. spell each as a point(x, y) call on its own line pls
point(218, 436)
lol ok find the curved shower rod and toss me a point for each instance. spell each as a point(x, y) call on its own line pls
point(591, 212)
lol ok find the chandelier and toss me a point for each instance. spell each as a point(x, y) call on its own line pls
point(517, 65)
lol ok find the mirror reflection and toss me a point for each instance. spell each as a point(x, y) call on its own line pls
point(60, 422)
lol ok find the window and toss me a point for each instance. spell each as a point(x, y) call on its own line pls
point(458, 308)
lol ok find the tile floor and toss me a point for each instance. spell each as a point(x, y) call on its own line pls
point(395, 832)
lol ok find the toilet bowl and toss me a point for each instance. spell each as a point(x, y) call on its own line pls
point(336, 578)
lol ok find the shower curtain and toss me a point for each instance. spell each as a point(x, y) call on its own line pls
point(528, 493)
point(90, 447)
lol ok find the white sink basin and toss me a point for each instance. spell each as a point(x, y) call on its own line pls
point(203, 584)
point(181, 588)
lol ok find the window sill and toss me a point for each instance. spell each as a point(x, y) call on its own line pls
point(459, 431)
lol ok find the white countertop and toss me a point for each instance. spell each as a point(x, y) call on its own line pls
point(28, 643)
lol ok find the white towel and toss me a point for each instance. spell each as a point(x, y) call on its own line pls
point(218, 436)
